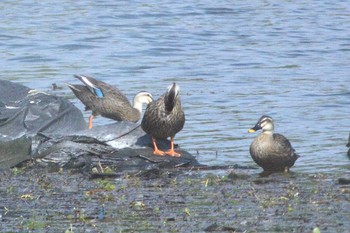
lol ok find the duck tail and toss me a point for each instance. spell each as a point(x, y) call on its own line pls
point(170, 97)
point(91, 83)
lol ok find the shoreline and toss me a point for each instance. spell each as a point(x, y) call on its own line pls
point(224, 200)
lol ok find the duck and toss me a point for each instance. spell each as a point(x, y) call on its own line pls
point(271, 151)
point(164, 118)
point(108, 101)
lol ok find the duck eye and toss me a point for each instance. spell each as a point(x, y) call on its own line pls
point(264, 122)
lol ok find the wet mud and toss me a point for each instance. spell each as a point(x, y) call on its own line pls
point(36, 199)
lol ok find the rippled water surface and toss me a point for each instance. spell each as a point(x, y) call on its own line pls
point(234, 61)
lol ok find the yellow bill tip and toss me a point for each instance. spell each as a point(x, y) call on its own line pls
point(251, 130)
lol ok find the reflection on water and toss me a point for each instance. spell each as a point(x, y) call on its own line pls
point(234, 62)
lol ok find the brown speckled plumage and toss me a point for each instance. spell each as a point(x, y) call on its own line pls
point(113, 104)
point(164, 118)
point(271, 151)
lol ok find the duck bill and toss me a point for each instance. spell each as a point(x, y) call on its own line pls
point(254, 129)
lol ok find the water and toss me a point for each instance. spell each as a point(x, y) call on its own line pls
point(234, 62)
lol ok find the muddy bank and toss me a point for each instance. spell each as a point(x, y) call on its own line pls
point(34, 199)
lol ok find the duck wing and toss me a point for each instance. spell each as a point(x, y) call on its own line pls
point(103, 90)
point(159, 122)
point(282, 146)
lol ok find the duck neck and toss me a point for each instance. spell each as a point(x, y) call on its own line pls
point(137, 105)
point(268, 133)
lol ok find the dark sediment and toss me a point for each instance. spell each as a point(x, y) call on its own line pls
point(33, 199)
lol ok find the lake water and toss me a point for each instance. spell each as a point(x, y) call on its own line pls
point(234, 61)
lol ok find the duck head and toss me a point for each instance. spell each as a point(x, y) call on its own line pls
point(265, 123)
point(143, 97)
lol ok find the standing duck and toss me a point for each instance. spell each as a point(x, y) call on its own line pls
point(107, 101)
point(164, 118)
point(271, 151)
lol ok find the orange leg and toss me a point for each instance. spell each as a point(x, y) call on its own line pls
point(156, 151)
point(90, 121)
point(171, 151)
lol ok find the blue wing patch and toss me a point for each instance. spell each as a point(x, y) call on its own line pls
point(98, 92)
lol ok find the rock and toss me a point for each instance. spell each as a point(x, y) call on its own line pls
point(52, 131)
point(13, 152)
